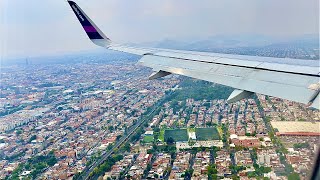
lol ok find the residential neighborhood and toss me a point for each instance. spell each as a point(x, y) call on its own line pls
point(111, 122)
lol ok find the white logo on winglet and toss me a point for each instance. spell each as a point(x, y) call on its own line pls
point(77, 11)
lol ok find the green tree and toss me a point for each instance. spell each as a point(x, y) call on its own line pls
point(293, 176)
point(236, 169)
point(52, 161)
point(156, 129)
point(118, 137)
point(156, 176)
point(301, 145)
point(212, 169)
point(188, 173)
point(170, 140)
point(33, 137)
point(126, 147)
point(18, 132)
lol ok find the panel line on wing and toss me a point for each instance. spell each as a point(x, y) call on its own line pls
point(259, 68)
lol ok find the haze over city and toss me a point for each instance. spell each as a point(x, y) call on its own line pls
point(34, 27)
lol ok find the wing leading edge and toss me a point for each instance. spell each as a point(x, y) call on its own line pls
point(291, 79)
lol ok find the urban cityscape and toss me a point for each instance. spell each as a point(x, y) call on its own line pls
point(99, 117)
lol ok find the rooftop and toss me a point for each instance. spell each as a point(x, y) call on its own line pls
point(296, 126)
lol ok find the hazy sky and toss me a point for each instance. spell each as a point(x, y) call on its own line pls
point(38, 27)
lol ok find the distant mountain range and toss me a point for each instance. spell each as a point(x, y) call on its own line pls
point(233, 41)
point(304, 47)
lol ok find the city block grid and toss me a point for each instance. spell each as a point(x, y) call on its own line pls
point(108, 121)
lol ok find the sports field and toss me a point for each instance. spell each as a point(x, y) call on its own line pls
point(205, 134)
point(176, 134)
point(148, 139)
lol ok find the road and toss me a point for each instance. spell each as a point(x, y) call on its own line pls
point(104, 156)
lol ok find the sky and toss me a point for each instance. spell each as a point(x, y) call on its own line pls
point(48, 27)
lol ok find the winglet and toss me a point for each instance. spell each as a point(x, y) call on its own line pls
point(93, 32)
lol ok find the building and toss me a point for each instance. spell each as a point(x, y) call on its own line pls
point(296, 128)
point(245, 141)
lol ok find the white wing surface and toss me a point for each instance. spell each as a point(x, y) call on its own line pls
point(291, 79)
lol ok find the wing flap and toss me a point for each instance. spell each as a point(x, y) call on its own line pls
point(285, 85)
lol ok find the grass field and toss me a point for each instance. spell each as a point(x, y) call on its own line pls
point(220, 131)
point(148, 139)
point(161, 135)
point(205, 134)
point(176, 134)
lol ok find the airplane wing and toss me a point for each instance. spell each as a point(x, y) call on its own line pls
point(291, 79)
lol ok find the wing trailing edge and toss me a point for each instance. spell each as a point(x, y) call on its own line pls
point(291, 79)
